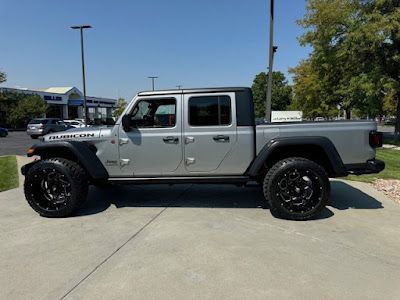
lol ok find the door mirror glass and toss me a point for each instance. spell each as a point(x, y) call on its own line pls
point(126, 123)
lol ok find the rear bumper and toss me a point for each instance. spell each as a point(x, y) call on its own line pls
point(370, 167)
point(34, 132)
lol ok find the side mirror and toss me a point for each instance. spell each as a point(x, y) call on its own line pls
point(126, 123)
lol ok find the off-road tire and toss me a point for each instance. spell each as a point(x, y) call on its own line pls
point(291, 180)
point(40, 182)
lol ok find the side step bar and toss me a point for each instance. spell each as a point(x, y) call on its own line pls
point(181, 180)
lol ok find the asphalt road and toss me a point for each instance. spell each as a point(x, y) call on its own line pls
point(16, 143)
point(200, 242)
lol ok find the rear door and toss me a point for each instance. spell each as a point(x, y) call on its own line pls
point(209, 130)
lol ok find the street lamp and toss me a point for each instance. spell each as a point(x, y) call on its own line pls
point(152, 80)
point(83, 69)
point(272, 49)
point(179, 87)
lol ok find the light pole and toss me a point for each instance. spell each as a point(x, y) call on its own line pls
point(179, 87)
point(152, 80)
point(272, 49)
point(83, 70)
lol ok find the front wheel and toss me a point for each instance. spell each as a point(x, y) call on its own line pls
point(56, 187)
point(296, 188)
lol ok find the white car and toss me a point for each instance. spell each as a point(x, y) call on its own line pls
point(74, 123)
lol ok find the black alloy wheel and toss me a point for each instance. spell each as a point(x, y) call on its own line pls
point(56, 187)
point(297, 188)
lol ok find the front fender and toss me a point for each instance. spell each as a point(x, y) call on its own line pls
point(79, 150)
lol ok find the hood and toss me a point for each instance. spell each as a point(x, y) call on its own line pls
point(78, 134)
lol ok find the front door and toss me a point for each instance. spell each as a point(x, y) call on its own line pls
point(209, 131)
point(153, 146)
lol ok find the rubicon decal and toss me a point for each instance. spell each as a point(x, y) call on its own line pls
point(71, 136)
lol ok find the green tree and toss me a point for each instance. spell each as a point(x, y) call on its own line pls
point(3, 77)
point(356, 52)
point(28, 108)
point(281, 93)
point(309, 95)
point(8, 101)
point(121, 105)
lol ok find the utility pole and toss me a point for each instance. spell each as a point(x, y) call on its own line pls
point(83, 70)
point(272, 49)
point(152, 80)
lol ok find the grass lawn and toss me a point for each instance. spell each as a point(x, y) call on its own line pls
point(8, 173)
point(392, 168)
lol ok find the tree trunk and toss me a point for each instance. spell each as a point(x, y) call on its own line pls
point(348, 114)
point(397, 126)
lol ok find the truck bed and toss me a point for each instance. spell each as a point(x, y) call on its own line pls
point(351, 138)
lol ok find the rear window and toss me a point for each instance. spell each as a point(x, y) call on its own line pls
point(38, 121)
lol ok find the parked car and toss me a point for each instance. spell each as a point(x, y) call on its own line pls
point(390, 121)
point(319, 119)
point(38, 127)
point(74, 123)
point(3, 132)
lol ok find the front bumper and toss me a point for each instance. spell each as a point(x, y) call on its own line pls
point(370, 167)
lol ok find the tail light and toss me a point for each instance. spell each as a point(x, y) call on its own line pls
point(375, 139)
point(41, 127)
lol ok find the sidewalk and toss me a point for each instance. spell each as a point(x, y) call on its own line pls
point(22, 160)
point(388, 146)
point(200, 242)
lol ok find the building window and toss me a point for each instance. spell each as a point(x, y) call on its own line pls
point(210, 111)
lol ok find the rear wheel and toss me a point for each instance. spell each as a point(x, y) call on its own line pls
point(56, 187)
point(296, 188)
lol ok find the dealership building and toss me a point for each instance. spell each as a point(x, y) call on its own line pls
point(67, 103)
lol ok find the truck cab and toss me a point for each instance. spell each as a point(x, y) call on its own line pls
point(187, 134)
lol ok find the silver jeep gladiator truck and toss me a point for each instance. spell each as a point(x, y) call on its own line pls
point(201, 136)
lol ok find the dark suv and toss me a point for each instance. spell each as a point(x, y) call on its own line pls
point(38, 127)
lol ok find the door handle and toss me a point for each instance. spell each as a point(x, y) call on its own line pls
point(171, 140)
point(221, 138)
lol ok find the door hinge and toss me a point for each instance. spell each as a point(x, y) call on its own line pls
point(190, 161)
point(124, 161)
point(123, 141)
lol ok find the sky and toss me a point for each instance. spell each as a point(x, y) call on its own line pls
point(204, 43)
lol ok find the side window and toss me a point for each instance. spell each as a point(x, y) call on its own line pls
point(154, 113)
point(210, 111)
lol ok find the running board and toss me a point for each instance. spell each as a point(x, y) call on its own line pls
point(181, 180)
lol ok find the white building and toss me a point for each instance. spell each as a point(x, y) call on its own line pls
point(67, 102)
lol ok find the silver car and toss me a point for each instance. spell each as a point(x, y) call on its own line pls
point(38, 127)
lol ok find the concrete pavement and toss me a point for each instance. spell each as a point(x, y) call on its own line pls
point(200, 242)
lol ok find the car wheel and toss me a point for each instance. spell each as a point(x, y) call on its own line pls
point(56, 187)
point(3, 134)
point(34, 137)
point(296, 188)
